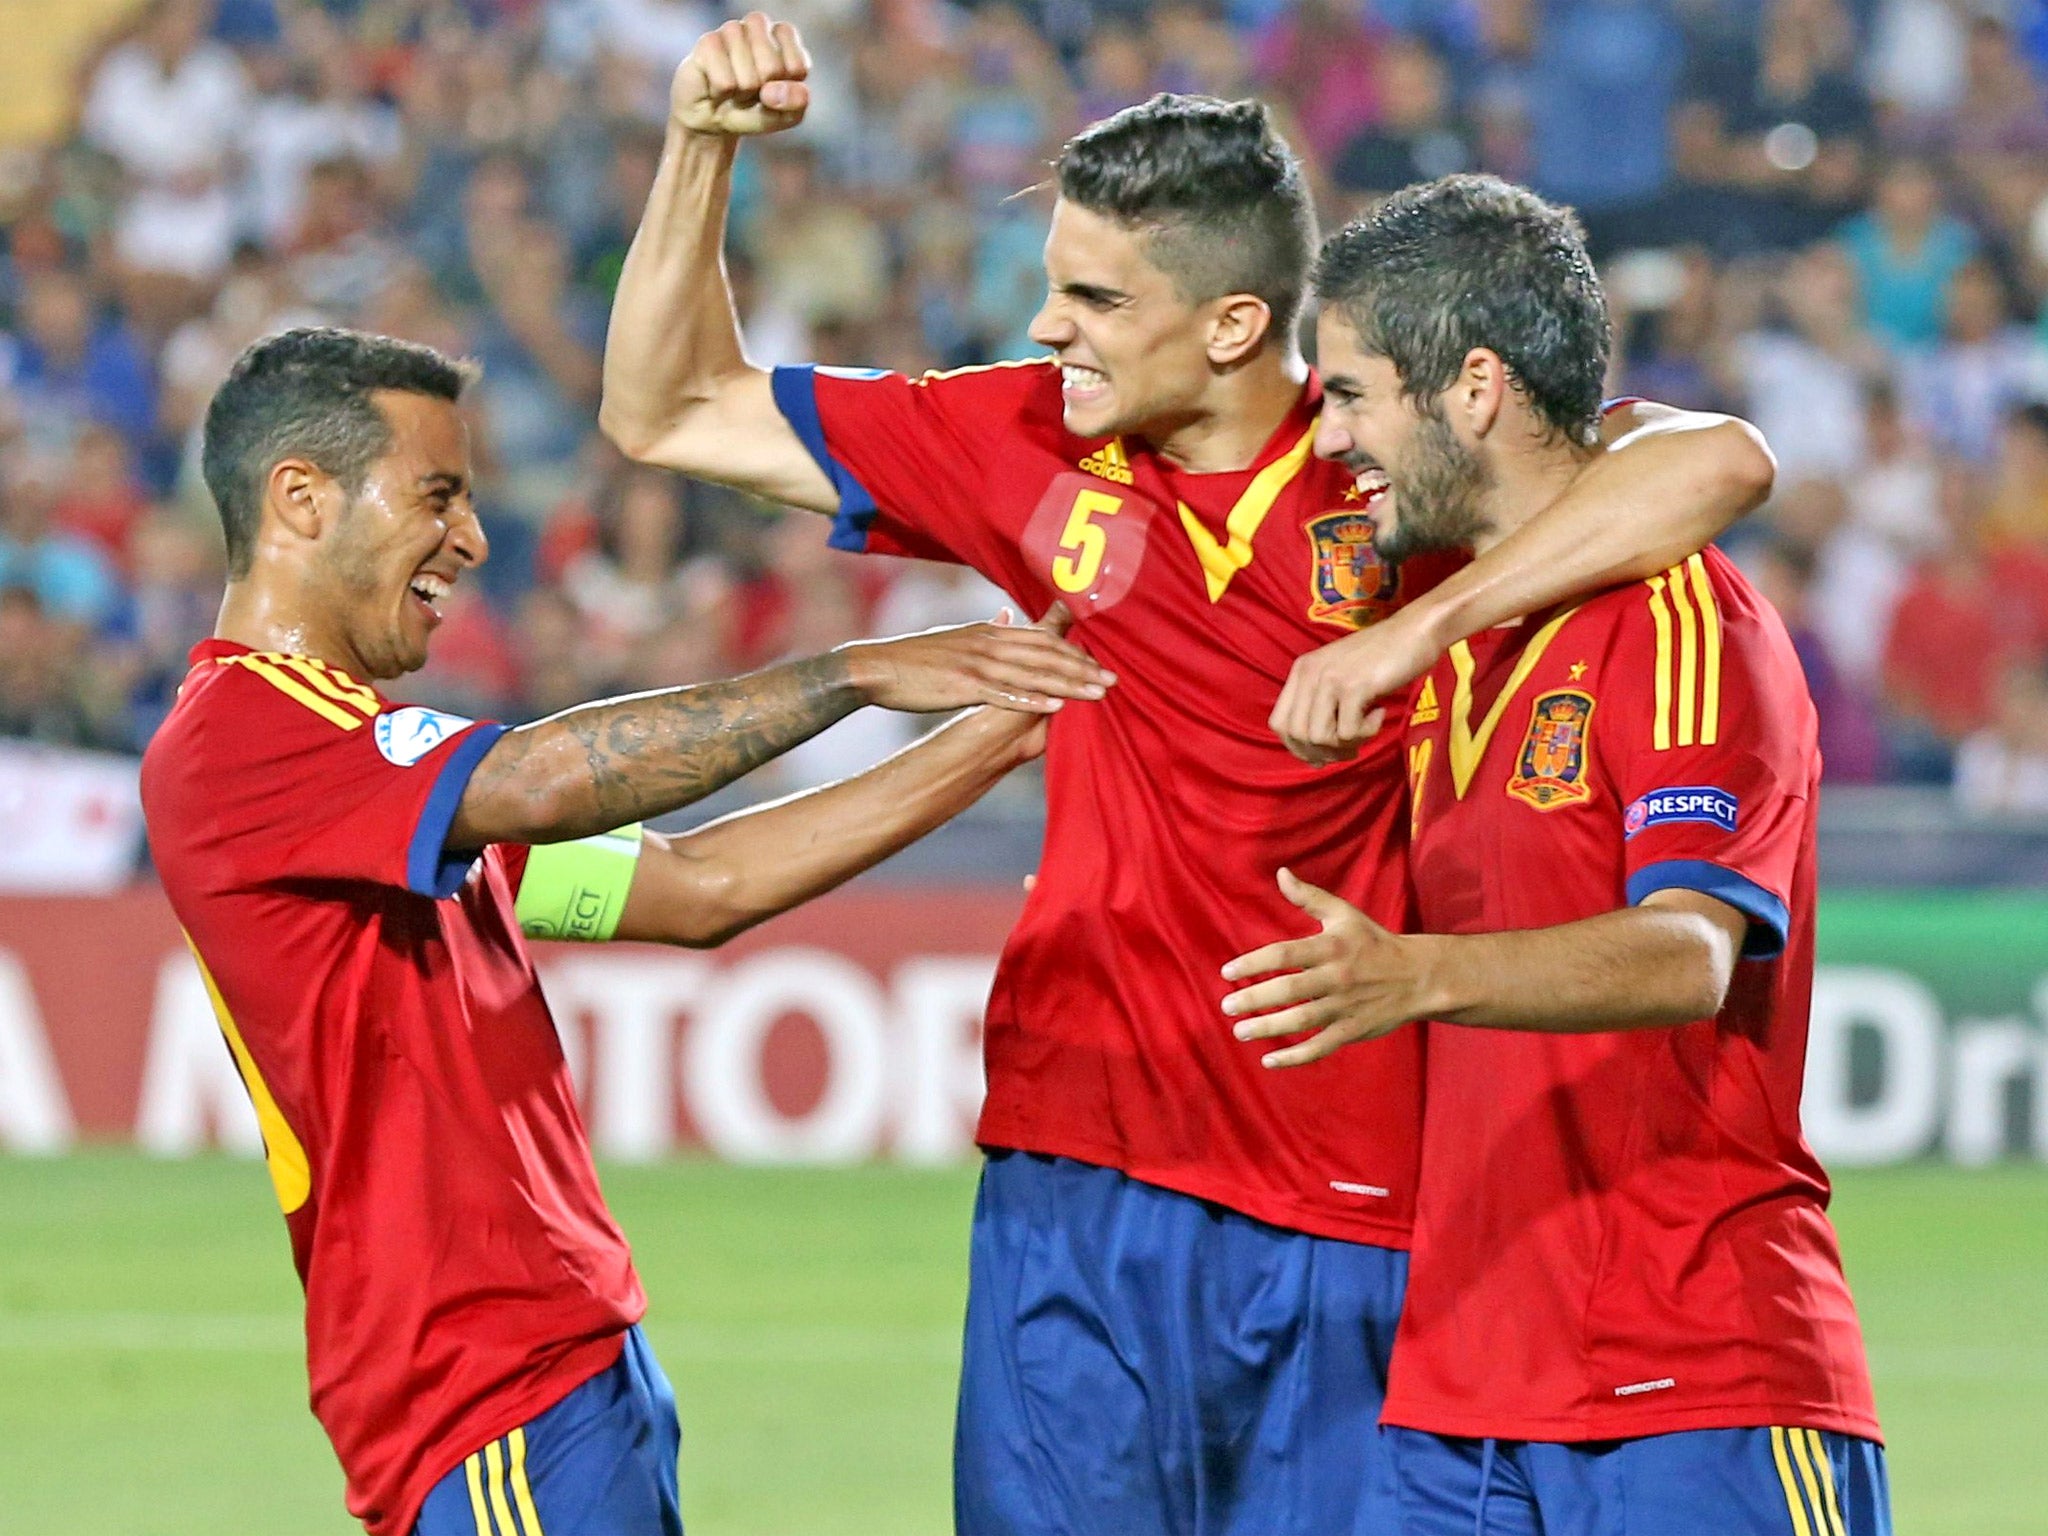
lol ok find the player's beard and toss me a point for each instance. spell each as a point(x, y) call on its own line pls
point(1437, 491)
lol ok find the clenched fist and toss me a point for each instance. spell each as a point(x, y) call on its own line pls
point(745, 78)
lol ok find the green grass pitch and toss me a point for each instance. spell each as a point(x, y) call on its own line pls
point(151, 1381)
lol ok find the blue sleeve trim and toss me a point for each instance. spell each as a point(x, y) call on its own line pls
point(431, 868)
point(1769, 922)
point(796, 396)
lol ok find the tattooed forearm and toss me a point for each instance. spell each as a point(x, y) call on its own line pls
point(600, 766)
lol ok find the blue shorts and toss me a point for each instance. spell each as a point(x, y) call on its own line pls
point(1730, 1482)
point(601, 1462)
point(1139, 1361)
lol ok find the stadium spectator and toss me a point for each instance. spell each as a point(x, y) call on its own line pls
point(1956, 626)
point(1324, 57)
point(1960, 391)
point(2019, 504)
point(1907, 249)
point(2002, 770)
point(1417, 138)
point(70, 363)
point(72, 582)
point(42, 694)
point(170, 106)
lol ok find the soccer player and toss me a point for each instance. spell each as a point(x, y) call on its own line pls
point(1185, 1272)
point(353, 876)
point(1626, 1313)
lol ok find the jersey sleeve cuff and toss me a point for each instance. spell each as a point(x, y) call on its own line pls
point(1769, 922)
point(1619, 402)
point(431, 868)
point(796, 396)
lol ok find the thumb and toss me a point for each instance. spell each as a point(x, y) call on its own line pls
point(1313, 899)
point(1058, 619)
point(1004, 616)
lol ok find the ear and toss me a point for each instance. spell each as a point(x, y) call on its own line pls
point(303, 498)
point(1481, 391)
point(1238, 322)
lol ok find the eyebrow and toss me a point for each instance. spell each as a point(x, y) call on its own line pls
point(443, 480)
point(1342, 383)
point(1094, 294)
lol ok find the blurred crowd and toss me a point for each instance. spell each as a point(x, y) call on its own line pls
point(1830, 216)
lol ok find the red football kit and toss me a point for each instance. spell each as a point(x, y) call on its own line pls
point(1621, 1234)
point(461, 1271)
point(1170, 804)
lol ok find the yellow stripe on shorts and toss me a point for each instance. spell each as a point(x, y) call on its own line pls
point(472, 1469)
point(1793, 1502)
point(522, 1491)
point(1827, 1483)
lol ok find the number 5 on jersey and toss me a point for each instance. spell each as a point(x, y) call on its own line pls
point(1082, 541)
point(1085, 541)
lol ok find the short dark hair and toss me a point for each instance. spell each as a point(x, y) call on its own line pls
point(1215, 190)
point(1470, 261)
point(307, 392)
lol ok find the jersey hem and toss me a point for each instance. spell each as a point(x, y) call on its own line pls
point(577, 1368)
point(1380, 1232)
point(1569, 1429)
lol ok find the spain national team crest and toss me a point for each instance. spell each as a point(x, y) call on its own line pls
point(1349, 585)
point(1551, 771)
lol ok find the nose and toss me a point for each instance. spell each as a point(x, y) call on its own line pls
point(466, 536)
point(1332, 441)
point(1049, 327)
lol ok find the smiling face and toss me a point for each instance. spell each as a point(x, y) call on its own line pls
point(1133, 352)
point(1425, 488)
point(402, 541)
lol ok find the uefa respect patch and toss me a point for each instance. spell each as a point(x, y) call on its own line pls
point(406, 735)
point(1683, 802)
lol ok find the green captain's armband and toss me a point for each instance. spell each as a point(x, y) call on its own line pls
point(576, 891)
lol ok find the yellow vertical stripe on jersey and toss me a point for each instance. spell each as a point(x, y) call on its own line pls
point(1831, 1508)
point(1800, 1524)
point(1660, 616)
point(1710, 627)
point(290, 1174)
point(494, 1459)
point(292, 688)
point(1220, 562)
point(1467, 746)
point(339, 687)
point(472, 1470)
point(522, 1491)
point(1688, 655)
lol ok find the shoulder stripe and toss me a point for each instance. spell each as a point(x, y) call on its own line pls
point(1710, 629)
point(1688, 654)
point(326, 708)
point(522, 1490)
point(473, 1473)
point(1660, 615)
point(338, 686)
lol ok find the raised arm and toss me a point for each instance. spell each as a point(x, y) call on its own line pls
point(600, 766)
point(701, 888)
point(1665, 961)
point(678, 389)
point(1669, 484)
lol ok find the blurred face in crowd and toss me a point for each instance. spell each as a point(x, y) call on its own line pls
point(1425, 487)
point(56, 311)
point(385, 559)
point(1976, 303)
point(1133, 352)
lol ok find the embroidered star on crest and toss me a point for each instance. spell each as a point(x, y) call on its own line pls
point(1578, 670)
point(1353, 493)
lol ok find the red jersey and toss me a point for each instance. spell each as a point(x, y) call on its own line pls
point(461, 1271)
point(1624, 1233)
point(1170, 804)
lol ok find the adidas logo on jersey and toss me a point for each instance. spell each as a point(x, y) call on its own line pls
point(1426, 706)
point(1110, 462)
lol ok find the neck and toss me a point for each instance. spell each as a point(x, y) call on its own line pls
point(1238, 417)
point(1525, 483)
point(255, 615)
